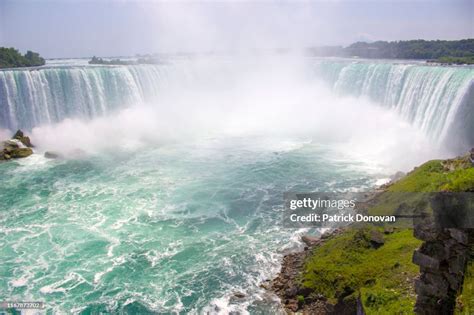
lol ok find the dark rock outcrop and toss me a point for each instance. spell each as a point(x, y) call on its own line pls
point(17, 147)
point(19, 135)
point(442, 259)
point(310, 240)
point(296, 298)
point(53, 155)
point(14, 149)
point(376, 239)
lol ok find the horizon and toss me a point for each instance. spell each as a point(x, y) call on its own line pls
point(273, 50)
point(58, 30)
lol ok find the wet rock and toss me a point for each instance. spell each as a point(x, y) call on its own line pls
point(52, 155)
point(19, 135)
point(15, 148)
point(310, 241)
point(12, 144)
point(239, 295)
point(21, 153)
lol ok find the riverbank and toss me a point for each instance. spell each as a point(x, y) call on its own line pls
point(369, 269)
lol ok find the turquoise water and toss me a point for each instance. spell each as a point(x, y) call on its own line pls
point(172, 228)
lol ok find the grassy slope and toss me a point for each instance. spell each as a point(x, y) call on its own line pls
point(465, 302)
point(433, 176)
point(348, 263)
point(347, 266)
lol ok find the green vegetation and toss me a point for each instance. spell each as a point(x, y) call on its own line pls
point(348, 266)
point(450, 175)
point(469, 60)
point(465, 301)
point(100, 61)
point(403, 196)
point(443, 51)
point(11, 58)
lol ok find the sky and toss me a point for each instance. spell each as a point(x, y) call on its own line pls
point(74, 28)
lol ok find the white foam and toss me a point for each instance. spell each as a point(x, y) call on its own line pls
point(21, 282)
point(382, 181)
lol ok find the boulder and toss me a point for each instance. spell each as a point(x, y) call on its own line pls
point(376, 238)
point(26, 141)
point(17, 147)
point(19, 135)
point(21, 152)
point(12, 144)
point(52, 155)
point(239, 295)
point(310, 240)
point(389, 230)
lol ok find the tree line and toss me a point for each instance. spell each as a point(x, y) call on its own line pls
point(12, 58)
point(444, 51)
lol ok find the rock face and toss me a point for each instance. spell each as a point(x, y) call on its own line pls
point(296, 298)
point(18, 147)
point(19, 135)
point(442, 259)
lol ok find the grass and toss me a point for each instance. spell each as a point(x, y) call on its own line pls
point(348, 265)
point(412, 191)
point(465, 301)
point(469, 60)
point(453, 175)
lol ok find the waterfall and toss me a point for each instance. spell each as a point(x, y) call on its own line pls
point(33, 97)
point(436, 99)
point(433, 98)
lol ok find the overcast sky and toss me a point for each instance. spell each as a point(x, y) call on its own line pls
point(73, 28)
